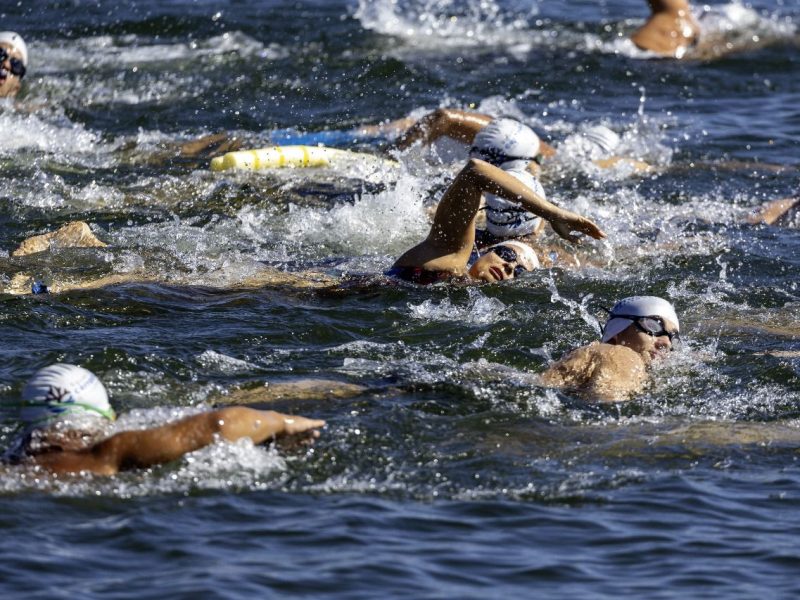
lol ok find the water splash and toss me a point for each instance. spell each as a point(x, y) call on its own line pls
point(462, 22)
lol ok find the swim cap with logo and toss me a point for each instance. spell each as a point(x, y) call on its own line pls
point(16, 40)
point(63, 389)
point(526, 256)
point(506, 143)
point(638, 306)
point(505, 218)
point(602, 138)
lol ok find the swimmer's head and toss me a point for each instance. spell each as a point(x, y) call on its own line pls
point(60, 390)
point(14, 55)
point(646, 324)
point(505, 260)
point(506, 143)
point(603, 139)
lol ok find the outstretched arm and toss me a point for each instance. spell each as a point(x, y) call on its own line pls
point(139, 449)
point(772, 212)
point(461, 125)
point(461, 201)
point(457, 124)
point(452, 234)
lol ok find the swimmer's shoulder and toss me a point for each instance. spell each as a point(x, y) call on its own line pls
point(598, 371)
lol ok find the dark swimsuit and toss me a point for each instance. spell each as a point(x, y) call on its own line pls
point(418, 275)
point(422, 276)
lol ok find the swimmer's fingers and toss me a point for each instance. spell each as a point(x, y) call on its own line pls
point(299, 432)
point(565, 227)
point(296, 424)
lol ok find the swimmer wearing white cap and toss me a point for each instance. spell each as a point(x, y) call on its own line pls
point(639, 329)
point(67, 413)
point(464, 126)
point(447, 249)
point(511, 146)
point(13, 63)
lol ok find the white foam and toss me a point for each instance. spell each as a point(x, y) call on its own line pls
point(51, 133)
point(222, 363)
point(445, 22)
point(479, 309)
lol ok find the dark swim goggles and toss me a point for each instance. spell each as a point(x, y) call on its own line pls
point(495, 157)
point(17, 66)
point(650, 325)
point(510, 256)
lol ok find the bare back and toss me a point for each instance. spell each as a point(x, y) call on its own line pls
point(605, 372)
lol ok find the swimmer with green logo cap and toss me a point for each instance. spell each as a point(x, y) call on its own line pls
point(69, 422)
point(639, 329)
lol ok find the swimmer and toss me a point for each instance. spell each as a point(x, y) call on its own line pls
point(78, 234)
point(670, 30)
point(598, 142)
point(13, 63)
point(639, 329)
point(784, 212)
point(450, 245)
point(67, 413)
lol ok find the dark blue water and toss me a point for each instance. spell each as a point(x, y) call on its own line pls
point(452, 474)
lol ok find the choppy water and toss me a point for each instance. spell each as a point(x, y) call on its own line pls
point(453, 476)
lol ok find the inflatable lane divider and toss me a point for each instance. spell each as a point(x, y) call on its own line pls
point(277, 157)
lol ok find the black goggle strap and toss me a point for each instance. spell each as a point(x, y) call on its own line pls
point(496, 157)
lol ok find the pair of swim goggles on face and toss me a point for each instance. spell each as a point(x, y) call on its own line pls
point(510, 256)
point(652, 325)
point(17, 66)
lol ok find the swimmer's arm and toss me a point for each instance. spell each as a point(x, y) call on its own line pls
point(771, 212)
point(609, 163)
point(491, 179)
point(209, 146)
point(460, 125)
point(140, 449)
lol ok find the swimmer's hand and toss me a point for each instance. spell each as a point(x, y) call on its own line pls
point(209, 146)
point(299, 431)
point(293, 425)
point(568, 222)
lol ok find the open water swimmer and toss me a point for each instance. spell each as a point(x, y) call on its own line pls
point(445, 253)
point(13, 63)
point(67, 413)
point(475, 398)
point(639, 329)
point(598, 143)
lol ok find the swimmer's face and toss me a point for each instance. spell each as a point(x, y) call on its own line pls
point(648, 345)
point(492, 267)
point(9, 83)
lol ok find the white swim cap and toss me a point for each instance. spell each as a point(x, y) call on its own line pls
point(526, 257)
point(603, 138)
point(16, 40)
point(506, 143)
point(638, 306)
point(62, 389)
point(505, 218)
